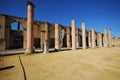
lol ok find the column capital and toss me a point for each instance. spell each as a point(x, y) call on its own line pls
point(30, 3)
point(83, 23)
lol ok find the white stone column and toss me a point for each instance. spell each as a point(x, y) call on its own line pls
point(30, 29)
point(109, 38)
point(77, 38)
point(105, 38)
point(73, 35)
point(57, 37)
point(93, 38)
point(46, 42)
point(68, 38)
point(89, 39)
point(83, 36)
point(100, 39)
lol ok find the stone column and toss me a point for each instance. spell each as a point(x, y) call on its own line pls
point(30, 20)
point(25, 36)
point(89, 39)
point(68, 38)
point(105, 38)
point(73, 35)
point(97, 39)
point(77, 38)
point(57, 37)
point(46, 42)
point(100, 40)
point(112, 41)
point(93, 38)
point(109, 38)
point(42, 39)
point(3, 42)
point(83, 36)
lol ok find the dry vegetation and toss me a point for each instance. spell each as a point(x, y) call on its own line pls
point(89, 64)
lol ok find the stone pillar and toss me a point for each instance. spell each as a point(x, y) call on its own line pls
point(97, 39)
point(68, 38)
point(3, 42)
point(93, 38)
point(89, 39)
point(83, 36)
point(73, 35)
point(77, 38)
point(61, 37)
point(112, 41)
point(30, 20)
point(25, 36)
point(42, 39)
point(57, 37)
point(109, 38)
point(46, 42)
point(105, 38)
point(100, 40)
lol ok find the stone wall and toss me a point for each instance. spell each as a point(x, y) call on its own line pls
point(39, 34)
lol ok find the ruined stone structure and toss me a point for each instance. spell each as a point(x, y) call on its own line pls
point(44, 35)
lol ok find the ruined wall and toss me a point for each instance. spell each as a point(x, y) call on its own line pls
point(2, 32)
point(39, 34)
point(116, 42)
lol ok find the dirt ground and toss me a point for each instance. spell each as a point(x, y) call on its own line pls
point(89, 64)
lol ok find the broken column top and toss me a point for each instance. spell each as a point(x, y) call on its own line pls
point(30, 3)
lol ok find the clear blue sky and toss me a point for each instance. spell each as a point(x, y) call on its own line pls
point(95, 13)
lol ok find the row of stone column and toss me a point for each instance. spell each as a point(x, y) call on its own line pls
point(92, 37)
point(107, 38)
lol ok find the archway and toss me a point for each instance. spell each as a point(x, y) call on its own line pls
point(16, 35)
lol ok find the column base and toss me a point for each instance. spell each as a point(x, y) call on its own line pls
point(46, 52)
point(29, 51)
point(84, 48)
point(45, 49)
point(57, 49)
point(105, 45)
point(73, 48)
point(100, 46)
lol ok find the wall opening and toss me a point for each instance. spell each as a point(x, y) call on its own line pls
point(16, 35)
point(64, 39)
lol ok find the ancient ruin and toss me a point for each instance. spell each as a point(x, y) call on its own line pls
point(45, 35)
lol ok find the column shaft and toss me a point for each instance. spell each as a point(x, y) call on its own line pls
point(68, 38)
point(89, 39)
point(100, 39)
point(42, 40)
point(83, 36)
point(77, 38)
point(93, 38)
point(30, 31)
point(46, 43)
point(73, 35)
point(105, 38)
point(57, 36)
point(109, 38)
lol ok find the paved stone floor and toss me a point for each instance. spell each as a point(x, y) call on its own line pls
point(22, 51)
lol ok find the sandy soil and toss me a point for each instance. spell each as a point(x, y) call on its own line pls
point(89, 64)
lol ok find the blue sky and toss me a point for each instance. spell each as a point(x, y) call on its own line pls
point(95, 13)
